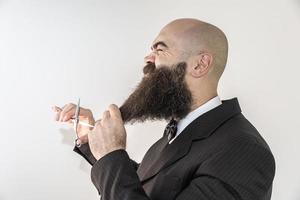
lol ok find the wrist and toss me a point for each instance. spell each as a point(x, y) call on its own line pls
point(99, 156)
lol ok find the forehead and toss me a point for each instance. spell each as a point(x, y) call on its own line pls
point(165, 37)
point(170, 36)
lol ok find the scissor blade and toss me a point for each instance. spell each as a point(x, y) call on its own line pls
point(77, 111)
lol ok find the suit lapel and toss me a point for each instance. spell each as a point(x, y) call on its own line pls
point(163, 155)
point(152, 155)
point(169, 154)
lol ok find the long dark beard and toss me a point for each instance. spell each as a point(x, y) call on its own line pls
point(162, 94)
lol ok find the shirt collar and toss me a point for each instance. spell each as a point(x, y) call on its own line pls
point(209, 105)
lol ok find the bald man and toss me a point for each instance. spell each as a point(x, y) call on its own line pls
point(209, 150)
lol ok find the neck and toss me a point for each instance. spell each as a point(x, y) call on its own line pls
point(202, 98)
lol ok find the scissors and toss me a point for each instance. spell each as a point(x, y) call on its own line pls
point(76, 122)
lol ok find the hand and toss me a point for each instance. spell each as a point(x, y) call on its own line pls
point(109, 133)
point(65, 114)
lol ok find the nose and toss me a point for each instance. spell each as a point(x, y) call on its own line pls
point(149, 58)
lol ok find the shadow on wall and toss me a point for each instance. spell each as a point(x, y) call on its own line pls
point(68, 138)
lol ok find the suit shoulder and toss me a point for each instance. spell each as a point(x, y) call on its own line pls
point(240, 130)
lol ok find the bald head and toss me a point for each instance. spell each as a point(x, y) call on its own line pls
point(194, 36)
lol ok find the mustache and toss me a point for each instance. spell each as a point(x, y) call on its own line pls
point(149, 68)
point(177, 72)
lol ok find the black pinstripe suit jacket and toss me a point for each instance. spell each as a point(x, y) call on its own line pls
point(220, 155)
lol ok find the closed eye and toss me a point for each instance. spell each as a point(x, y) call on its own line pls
point(158, 46)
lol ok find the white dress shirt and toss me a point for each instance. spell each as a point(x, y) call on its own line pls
point(183, 123)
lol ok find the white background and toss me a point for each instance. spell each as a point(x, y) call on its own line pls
point(52, 52)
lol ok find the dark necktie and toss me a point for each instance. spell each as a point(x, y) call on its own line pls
point(171, 129)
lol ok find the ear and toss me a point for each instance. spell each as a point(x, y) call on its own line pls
point(202, 65)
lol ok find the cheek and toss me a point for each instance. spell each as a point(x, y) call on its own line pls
point(166, 59)
point(188, 72)
point(189, 80)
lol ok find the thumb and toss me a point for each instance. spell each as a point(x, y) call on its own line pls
point(114, 111)
point(83, 139)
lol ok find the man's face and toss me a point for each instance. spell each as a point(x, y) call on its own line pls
point(163, 92)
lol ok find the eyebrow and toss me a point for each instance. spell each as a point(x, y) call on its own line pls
point(154, 46)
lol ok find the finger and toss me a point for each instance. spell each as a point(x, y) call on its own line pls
point(97, 123)
point(68, 115)
point(67, 112)
point(83, 139)
point(57, 111)
point(63, 110)
point(66, 105)
point(114, 111)
point(85, 112)
point(106, 115)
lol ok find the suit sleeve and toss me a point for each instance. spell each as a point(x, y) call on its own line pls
point(115, 177)
point(246, 173)
point(85, 152)
point(120, 182)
